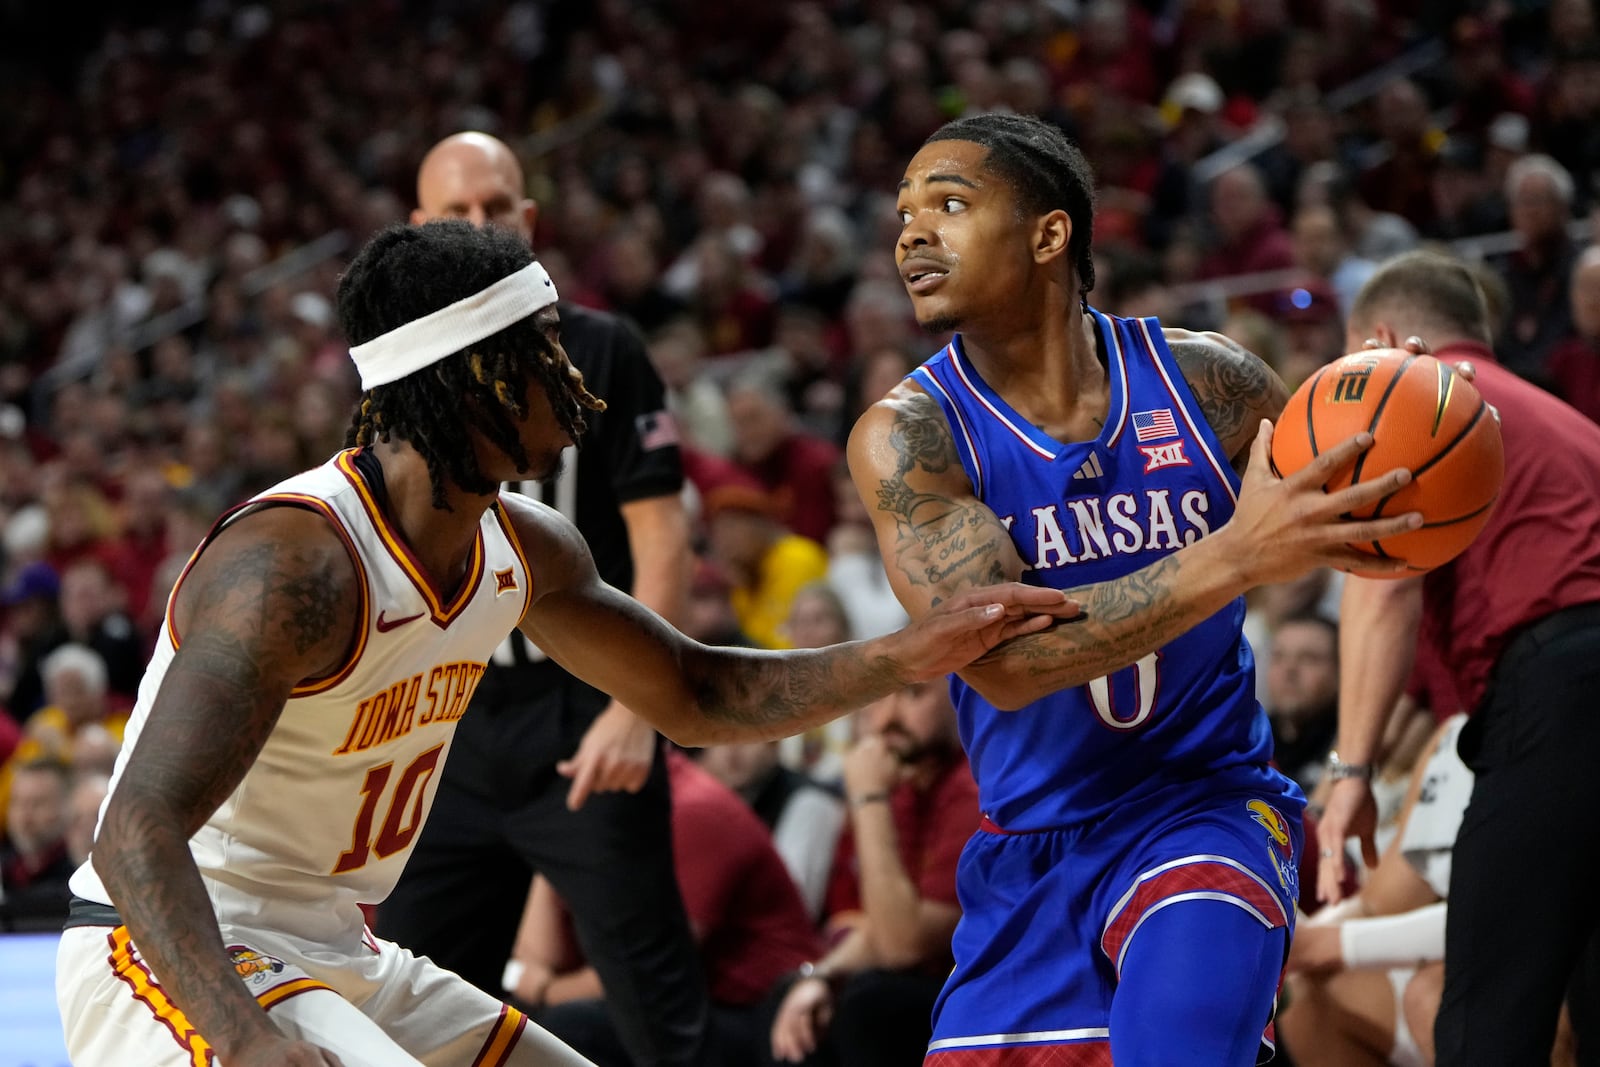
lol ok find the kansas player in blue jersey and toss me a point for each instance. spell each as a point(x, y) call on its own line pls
point(1131, 892)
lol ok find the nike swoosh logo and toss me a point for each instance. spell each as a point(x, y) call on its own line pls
point(385, 625)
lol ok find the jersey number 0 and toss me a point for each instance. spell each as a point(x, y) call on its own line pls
point(1143, 677)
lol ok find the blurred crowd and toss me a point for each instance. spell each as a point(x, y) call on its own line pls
point(179, 191)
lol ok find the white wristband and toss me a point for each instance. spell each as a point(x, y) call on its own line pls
point(1402, 940)
point(513, 973)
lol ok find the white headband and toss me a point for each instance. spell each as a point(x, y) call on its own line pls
point(423, 342)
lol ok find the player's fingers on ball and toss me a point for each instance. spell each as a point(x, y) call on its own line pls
point(1377, 529)
point(1372, 342)
point(1261, 448)
point(1320, 470)
point(1354, 497)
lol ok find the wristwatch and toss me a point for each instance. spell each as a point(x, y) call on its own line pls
point(1338, 769)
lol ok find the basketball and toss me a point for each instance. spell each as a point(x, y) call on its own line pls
point(1422, 416)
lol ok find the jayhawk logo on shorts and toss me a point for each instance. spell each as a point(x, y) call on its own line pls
point(254, 967)
point(1282, 851)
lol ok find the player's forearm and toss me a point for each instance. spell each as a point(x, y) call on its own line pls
point(888, 896)
point(751, 695)
point(1120, 621)
point(144, 860)
point(1378, 623)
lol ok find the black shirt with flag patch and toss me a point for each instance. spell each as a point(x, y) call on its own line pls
point(629, 452)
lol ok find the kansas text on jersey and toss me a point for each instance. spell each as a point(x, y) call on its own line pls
point(1154, 480)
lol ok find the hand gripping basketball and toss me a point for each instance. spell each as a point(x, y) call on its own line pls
point(1284, 527)
point(1425, 416)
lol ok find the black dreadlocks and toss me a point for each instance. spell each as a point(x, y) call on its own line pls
point(1044, 167)
point(406, 272)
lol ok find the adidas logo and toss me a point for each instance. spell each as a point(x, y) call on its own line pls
point(1091, 468)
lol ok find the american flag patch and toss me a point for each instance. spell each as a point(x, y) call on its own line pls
point(659, 429)
point(1156, 425)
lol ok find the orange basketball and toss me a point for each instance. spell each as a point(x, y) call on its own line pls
point(1422, 416)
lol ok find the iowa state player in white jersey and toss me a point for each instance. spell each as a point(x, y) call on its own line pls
point(1129, 895)
point(322, 644)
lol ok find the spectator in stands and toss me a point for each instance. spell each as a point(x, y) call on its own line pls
point(1303, 695)
point(1399, 179)
point(1539, 191)
point(34, 865)
point(765, 564)
point(142, 543)
point(1250, 236)
point(92, 615)
point(749, 922)
point(1192, 114)
point(1568, 125)
point(730, 302)
point(31, 630)
point(794, 466)
point(804, 818)
point(892, 905)
point(633, 282)
point(76, 722)
point(1322, 250)
point(1309, 138)
point(83, 811)
point(677, 351)
point(1575, 363)
point(1313, 329)
point(1480, 85)
point(1373, 234)
point(1465, 202)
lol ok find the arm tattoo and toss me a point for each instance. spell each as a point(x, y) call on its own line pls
point(1234, 388)
point(264, 613)
point(1121, 620)
point(941, 543)
point(783, 694)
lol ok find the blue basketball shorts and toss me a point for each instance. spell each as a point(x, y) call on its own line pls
point(1048, 918)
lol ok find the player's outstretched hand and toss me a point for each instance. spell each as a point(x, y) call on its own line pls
point(964, 627)
point(284, 1053)
point(1284, 527)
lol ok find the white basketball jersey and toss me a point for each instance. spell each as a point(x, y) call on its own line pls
point(327, 815)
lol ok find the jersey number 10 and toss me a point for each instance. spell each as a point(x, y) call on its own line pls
point(392, 837)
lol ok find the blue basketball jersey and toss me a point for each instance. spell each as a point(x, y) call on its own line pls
point(1154, 480)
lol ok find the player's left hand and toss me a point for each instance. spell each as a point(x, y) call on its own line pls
point(615, 755)
point(1350, 812)
point(1315, 950)
point(965, 627)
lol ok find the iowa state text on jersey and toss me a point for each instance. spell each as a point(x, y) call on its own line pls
point(392, 712)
